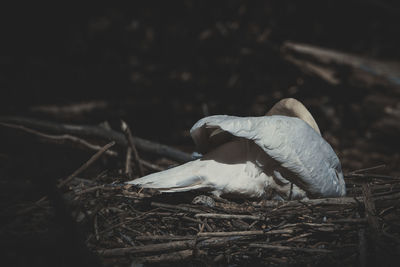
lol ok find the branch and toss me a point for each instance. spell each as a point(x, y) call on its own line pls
point(167, 257)
point(286, 248)
point(128, 134)
point(62, 138)
point(245, 233)
point(228, 216)
point(176, 245)
point(100, 132)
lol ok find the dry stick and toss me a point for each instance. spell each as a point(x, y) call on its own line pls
point(128, 167)
point(362, 247)
point(170, 246)
point(163, 237)
point(307, 224)
point(63, 137)
point(228, 216)
point(114, 226)
point(326, 73)
point(67, 137)
point(144, 214)
point(346, 201)
point(370, 214)
point(167, 257)
point(86, 164)
point(148, 214)
point(394, 196)
point(371, 176)
point(176, 245)
point(286, 248)
point(245, 233)
point(96, 228)
point(82, 168)
point(97, 187)
point(151, 165)
point(291, 239)
point(189, 219)
point(128, 134)
point(209, 228)
point(393, 192)
point(370, 207)
point(168, 206)
point(252, 224)
point(100, 132)
point(380, 72)
point(350, 220)
point(70, 110)
point(368, 169)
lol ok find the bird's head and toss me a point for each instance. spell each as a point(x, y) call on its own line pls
point(293, 108)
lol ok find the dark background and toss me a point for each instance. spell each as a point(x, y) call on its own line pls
point(158, 65)
point(162, 65)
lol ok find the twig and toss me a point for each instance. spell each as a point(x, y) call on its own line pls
point(127, 238)
point(97, 187)
point(228, 216)
point(163, 237)
point(96, 228)
point(325, 73)
point(368, 169)
point(286, 248)
point(362, 247)
point(82, 168)
point(291, 239)
point(63, 137)
point(350, 221)
point(371, 176)
point(114, 226)
point(370, 213)
point(71, 110)
point(245, 233)
point(97, 131)
point(310, 202)
point(144, 214)
point(176, 245)
point(168, 257)
point(170, 246)
point(86, 164)
point(168, 206)
point(394, 196)
point(151, 165)
point(370, 207)
point(128, 167)
point(128, 134)
point(369, 70)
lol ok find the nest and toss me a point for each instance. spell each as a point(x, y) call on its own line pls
point(128, 225)
point(125, 225)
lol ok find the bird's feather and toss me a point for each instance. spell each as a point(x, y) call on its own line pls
point(305, 158)
point(232, 168)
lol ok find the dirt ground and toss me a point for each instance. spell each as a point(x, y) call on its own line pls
point(161, 66)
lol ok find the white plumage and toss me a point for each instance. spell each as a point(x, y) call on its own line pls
point(271, 156)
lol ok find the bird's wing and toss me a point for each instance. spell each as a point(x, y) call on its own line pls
point(178, 179)
point(305, 158)
point(218, 171)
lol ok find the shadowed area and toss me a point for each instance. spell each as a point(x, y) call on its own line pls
point(161, 66)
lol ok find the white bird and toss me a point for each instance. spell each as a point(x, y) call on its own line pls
point(279, 155)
